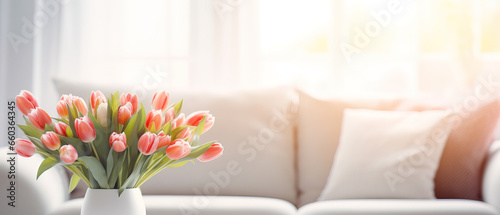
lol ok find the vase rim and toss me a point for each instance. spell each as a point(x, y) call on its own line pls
point(112, 189)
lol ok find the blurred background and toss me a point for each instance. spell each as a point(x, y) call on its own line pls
point(359, 47)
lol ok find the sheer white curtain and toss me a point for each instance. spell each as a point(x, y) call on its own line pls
point(328, 46)
point(187, 43)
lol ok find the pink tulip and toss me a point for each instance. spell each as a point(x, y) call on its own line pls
point(96, 98)
point(26, 102)
point(70, 100)
point(185, 133)
point(51, 140)
point(68, 154)
point(85, 129)
point(60, 128)
point(39, 118)
point(213, 152)
point(195, 118)
point(124, 113)
point(148, 143)
point(80, 105)
point(179, 121)
point(132, 98)
point(118, 141)
point(169, 115)
point(154, 118)
point(62, 110)
point(178, 149)
point(24, 148)
point(160, 101)
point(164, 140)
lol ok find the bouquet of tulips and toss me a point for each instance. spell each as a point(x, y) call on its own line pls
point(115, 144)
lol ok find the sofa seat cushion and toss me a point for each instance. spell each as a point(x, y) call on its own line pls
point(398, 206)
point(200, 205)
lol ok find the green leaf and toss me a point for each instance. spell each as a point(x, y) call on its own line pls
point(73, 182)
point(71, 120)
point(110, 163)
point(101, 142)
point(115, 101)
point(117, 161)
point(82, 148)
point(132, 179)
point(131, 131)
point(178, 108)
point(49, 128)
point(167, 128)
point(178, 164)
point(96, 169)
point(65, 121)
point(115, 126)
point(29, 130)
point(80, 173)
point(45, 165)
point(176, 131)
point(124, 173)
point(28, 122)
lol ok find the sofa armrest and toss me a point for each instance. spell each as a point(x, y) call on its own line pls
point(491, 178)
point(30, 196)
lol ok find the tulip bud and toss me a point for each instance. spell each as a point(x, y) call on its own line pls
point(62, 110)
point(148, 143)
point(154, 117)
point(160, 101)
point(70, 100)
point(60, 128)
point(102, 114)
point(68, 154)
point(164, 140)
point(169, 115)
point(24, 148)
point(118, 141)
point(195, 118)
point(179, 121)
point(124, 113)
point(213, 152)
point(96, 98)
point(178, 149)
point(132, 98)
point(85, 129)
point(26, 102)
point(80, 105)
point(39, 118)
point(51, 140)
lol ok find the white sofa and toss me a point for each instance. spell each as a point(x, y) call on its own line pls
point(266, 169)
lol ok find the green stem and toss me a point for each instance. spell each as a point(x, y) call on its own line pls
point(76, 171)
point(136, 161)
point(95, 151)
point(148, 174)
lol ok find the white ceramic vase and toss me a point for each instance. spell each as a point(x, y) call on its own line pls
point(107, 202)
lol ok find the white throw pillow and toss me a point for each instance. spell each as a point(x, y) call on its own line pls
point(387, 154)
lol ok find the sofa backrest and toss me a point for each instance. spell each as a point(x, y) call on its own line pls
point(460, 170)
point(256, 129)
